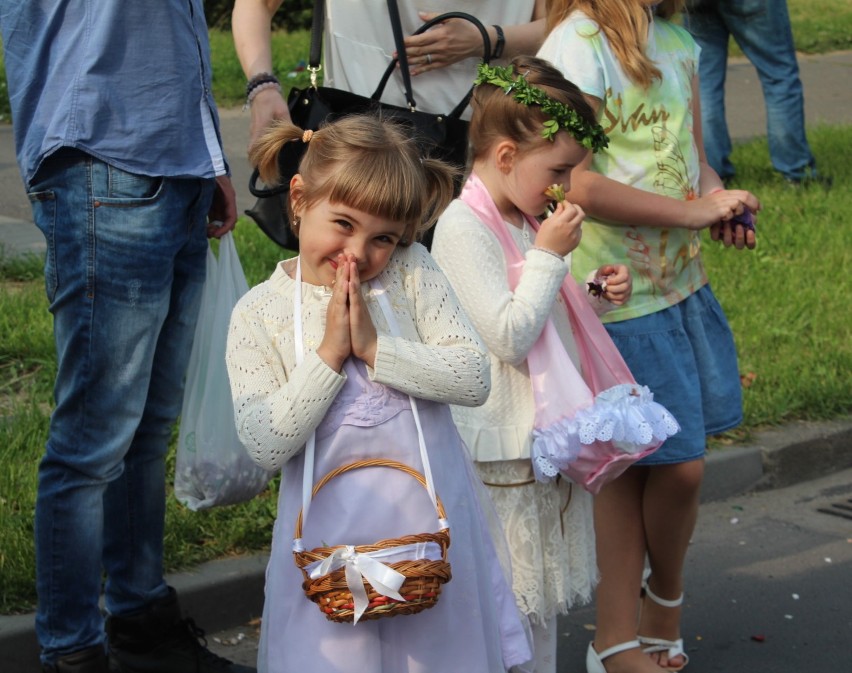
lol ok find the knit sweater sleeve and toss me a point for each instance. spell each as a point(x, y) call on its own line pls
point(277, 404)
point(508, 321)
point(439, 357)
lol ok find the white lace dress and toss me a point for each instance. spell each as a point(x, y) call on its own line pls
point(549, 527)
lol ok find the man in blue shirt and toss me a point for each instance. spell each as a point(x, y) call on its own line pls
point(118, 142)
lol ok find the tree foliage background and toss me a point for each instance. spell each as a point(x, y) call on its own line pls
point(292, 15)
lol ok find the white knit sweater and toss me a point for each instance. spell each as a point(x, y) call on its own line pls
point(509, 322)
point(278, 404)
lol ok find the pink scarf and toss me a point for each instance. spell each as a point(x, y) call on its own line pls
point(589, 428)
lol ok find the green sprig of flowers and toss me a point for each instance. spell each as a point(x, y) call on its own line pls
point(590, 136)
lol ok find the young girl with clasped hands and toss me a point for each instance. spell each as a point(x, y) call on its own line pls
point(326, 353)
point(647, 196)
point(519, 150)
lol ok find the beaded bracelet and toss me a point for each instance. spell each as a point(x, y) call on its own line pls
point(260, 87)
point(258, 79)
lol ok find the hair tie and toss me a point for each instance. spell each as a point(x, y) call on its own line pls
point(307, 135)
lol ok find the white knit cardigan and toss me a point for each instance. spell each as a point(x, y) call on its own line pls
point(278, 404)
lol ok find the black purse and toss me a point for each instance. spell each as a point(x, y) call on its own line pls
point(442, 136)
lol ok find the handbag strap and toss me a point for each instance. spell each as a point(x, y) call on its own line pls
point(402, 57)
point(317, 26)
point(310, 445)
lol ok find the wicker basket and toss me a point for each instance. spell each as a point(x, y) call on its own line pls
point(423, 578)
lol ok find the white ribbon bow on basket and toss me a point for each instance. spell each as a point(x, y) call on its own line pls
point(367, 566)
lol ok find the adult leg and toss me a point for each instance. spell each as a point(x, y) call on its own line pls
point(711, 33)
point(152, 241)
point(670, 510)
point(168, 273)
point(762, 30)
point(620, 544)
point(545, 637)
point(104, 350)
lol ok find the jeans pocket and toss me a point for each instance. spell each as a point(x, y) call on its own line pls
point(747, 8)
point(44, 214)
point(126, 190)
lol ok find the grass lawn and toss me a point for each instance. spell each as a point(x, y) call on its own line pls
point(787, 300)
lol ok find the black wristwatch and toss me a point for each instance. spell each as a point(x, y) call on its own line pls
point(501, 43)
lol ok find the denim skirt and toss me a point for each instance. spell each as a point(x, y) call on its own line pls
point(686, 355)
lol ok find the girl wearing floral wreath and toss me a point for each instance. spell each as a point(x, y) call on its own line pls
point(647, 196)
point(530, 127)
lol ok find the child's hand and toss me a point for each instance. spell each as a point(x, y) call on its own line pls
point(362, 332)
point(336, 344)
point(738, 231)
point(561, 232)
point(718, 207)
point(619, 283)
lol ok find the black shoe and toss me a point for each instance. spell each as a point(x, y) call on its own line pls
point(158, 640)
point(90, 660)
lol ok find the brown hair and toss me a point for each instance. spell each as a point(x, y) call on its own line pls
point(497, 116)
point(625, 25)
point(366, 163)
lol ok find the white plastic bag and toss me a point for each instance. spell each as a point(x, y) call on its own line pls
point(212, 467)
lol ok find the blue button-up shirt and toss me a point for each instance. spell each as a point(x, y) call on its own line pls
point(127, 81)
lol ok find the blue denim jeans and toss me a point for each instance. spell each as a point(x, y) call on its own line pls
point(124, 271)
point(762, 30)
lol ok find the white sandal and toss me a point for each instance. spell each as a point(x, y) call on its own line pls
point(672, 648)
point(594, 661)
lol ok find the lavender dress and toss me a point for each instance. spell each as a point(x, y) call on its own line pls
point(474, 627)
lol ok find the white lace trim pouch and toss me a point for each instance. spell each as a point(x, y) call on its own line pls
point(623, 419)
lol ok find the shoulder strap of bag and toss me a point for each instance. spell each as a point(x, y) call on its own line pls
point(402, 58)
point(317, 25)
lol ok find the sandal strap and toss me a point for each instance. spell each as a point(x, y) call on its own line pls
point(676, 603)
point(672, 648)
point(621, 647)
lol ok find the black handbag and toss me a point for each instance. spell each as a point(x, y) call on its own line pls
point(442, 136)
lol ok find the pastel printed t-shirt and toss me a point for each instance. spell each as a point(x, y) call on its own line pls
point(651, 147)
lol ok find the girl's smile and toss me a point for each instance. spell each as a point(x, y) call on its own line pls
point(330, 229)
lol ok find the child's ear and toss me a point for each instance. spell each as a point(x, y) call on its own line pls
point(505, 154)
point(297, 187)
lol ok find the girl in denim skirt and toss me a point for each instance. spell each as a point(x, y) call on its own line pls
point(646, 197)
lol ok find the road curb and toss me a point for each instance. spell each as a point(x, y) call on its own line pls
point(779, 457)
point(218, 595)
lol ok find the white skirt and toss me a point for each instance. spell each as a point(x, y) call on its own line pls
point(550, 533)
